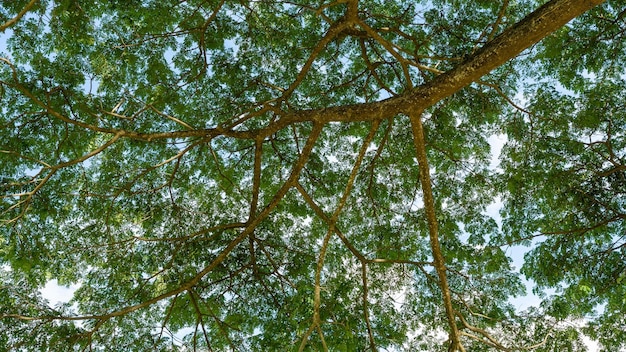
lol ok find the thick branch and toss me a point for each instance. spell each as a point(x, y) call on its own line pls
point(534, 27)
point(433, 228)
point(539, 24)
point(21, 14)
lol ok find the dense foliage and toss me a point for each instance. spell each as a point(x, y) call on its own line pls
point(312, 175)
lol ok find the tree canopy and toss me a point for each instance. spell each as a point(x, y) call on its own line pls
point(277, 175)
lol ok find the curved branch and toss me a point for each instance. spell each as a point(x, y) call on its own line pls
point(21, 14)
point(331, 34)
point(534, 27)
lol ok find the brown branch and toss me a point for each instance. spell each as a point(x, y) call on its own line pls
point(170, 117)
point(208, 133)
point(321, 335)
point(506, 97)
point(142, 136)
point(320, 213)
point(372, 68)
point(203, 30)
point(366, 313)
point(331, 34)
point(256, 179)
point(489, 339)
point(274, 265)
point(146, 171)
point(190, 236)
point(534, 27)
point(168, 315)
point(360, 256)
point(316, 323)
point(317, 294)
point(391, 48)
point(199, 314)
point(433, 228)
point(583, 230)
point(21, 14)
point(496, 24)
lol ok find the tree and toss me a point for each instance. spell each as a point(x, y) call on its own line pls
point(311, 175)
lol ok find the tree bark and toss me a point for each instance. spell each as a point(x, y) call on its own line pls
point(433, 227)
point(534, 27)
